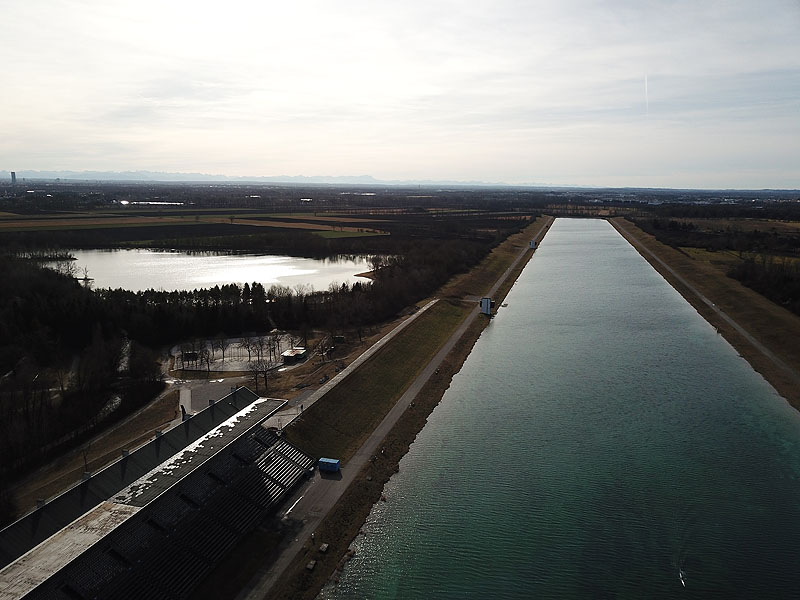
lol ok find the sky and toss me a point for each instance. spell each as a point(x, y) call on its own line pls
point(636, 93)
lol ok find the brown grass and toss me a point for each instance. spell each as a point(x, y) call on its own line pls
point(772, 325)
point(339, 423)
point(282, 224)
point(84, 223)
point(17, 223)
point(771, 225)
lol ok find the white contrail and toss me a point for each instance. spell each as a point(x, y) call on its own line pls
point(646, 96)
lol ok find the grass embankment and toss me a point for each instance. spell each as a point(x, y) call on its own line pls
point(344, 521)
point(773, 326)
point(339, 424)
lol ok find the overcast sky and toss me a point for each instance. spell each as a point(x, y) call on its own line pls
point(617, 92)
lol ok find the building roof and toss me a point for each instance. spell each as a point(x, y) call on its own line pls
point(36, 566)
point(168, 473)
point(38, 525)
point(161, 533)
point(294, 352)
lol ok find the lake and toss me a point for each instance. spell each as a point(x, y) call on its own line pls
point(139, 270)
point(601, 441)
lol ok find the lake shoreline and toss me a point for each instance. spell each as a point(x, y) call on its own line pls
point(141, 269)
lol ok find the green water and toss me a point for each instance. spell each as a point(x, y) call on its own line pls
point(600, 437)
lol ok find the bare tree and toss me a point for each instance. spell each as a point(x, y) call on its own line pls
point(205, 357)
point(85, 451)
point(63, 376)
point(260, 368)
point(184, 349)
point(220, 342)
point(275, 343)
point(260, 347)
point(246, 342)
point(223, 344)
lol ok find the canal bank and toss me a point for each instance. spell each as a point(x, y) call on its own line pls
point(622, 448)
point(764, 333)
point(343, 520)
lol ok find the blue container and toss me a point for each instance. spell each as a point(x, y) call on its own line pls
point(329, 465)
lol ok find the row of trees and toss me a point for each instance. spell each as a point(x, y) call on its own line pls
point(777, 278)
point(737, 236)
point(770, 259)
point(197, 352)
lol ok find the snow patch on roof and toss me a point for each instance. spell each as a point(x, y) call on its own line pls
point(205, 447)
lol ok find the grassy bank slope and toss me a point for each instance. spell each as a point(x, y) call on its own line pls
point(777, 329)
point(344, 417)
point(344, 520)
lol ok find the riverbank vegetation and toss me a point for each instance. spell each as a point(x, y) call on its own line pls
point(757, 246)
point(775, 353)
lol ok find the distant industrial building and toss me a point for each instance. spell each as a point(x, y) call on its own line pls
point(13, 178)
point(158, 535)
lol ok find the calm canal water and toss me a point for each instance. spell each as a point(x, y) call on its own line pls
point(600, 437)
point(139, 270)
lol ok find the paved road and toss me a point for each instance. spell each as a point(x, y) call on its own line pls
point(316, 499)
point(722, 314)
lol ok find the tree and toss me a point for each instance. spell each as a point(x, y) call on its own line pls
point(246, 342)
point(205, 357)
point(275, 344)
point(221, 343)
point(260, 368)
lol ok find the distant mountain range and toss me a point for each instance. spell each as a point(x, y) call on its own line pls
point(163, 176)
point(365, 180)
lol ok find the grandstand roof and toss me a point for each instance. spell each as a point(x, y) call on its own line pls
point(108, 545)
point(35, 527)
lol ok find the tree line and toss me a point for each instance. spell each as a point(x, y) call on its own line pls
point(769, 260)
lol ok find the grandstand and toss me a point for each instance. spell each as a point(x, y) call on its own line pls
point(158, 536)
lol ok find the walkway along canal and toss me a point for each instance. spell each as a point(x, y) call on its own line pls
point(601, 440)
point(314, 502)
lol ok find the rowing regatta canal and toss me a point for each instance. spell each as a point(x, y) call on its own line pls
point(600, 439)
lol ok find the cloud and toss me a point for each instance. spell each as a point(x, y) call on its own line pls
point(512, 90)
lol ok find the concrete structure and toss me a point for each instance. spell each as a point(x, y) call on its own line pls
point(56, 513)
point(158, 536)
point(295, 355)
point(487, 304)
point(13, 178)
